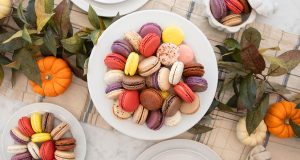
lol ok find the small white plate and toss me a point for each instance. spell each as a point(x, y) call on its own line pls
point(59, 113)
point(110, 10)
point(110, 1)
point(179, 149)
point(97, 69)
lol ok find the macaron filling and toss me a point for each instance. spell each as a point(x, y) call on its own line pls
point(114, 86)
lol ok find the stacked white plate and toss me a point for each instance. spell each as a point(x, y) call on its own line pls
point(110, 8)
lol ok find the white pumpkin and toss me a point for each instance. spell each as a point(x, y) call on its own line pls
point(5, 8)
point(257, 137)
point(264, 7)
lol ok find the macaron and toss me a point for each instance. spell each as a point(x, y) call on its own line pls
point(47, 150)
point(18, 136)
point(184, 92)
point(151, 99)
point(193, 69)
point(246, 5)
point(135, 82)
point(113, 76)
point(235, 6)
point(119, 112)
point(122, 47)
point(24, 126)
point(115, 61)
point(165, 94)
point(40, 137)
point(197, 84)
point(114, 90)
point(65, 144)
point(167, 53)
point(64, 155)
point(163, 79)
point(47, 122)
point(60, 130)
point(172, 34)
point(152, 81)
point(36, 122)
point(140, 115)
point(129, 100)
point(190, 108)
point(134, 39)
point(232, 20)
point(148, 66)
point(34, 150)
point(176, 72)
point(218, 8)
point(150, 28)
point(173, 120)
point(186, 54)
point(171, 105)
point(131, 64)
point(17, 148)
point(22, 156)
point(149, 44)
point(155, 120)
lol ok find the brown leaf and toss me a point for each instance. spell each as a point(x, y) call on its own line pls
point(62, 18)
point(41, 16)
point(1, 75)
point(250, 36)
point(252, 60)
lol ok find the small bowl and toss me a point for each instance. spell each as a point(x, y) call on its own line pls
point(247, 19)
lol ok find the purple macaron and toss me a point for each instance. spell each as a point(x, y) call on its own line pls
point(218, 8)
point(114, 86)
point(22, 156)
point(155, 120)
point(16, 138)
point(197, 84)
point(150, 28)
point(122, 47)
point(152, 81)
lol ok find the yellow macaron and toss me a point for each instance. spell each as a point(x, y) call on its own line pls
point(173, 34)
point(40, 137)
point(131, 64)
point(165, 94)
point(36, 122)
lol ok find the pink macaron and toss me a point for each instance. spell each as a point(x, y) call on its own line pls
point(186, 54)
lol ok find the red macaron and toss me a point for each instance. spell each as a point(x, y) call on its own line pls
point(24, 126)
point(47, 150)
point(115, 61)
point(184, 92)
point(129, 100)
point(235, 6)
point(149, 44)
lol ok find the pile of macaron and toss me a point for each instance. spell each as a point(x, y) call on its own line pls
point(153, 76)
point(36, 137)
point(230, 12)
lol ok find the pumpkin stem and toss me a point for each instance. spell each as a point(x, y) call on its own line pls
point(48, 77)
point(287, 121)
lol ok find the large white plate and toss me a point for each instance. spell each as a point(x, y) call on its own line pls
point(59, 112)
point(110, 10)
point(110, 1)
point(96, 70)
point(179, 149)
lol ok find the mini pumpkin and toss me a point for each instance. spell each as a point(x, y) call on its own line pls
point(257, 137)
point(5, 8)
point(278, 116)
point(56, 77)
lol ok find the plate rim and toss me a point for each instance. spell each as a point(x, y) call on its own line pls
point(119, 1)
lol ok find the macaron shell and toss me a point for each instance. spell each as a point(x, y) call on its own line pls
point(60, 130)
point(190, 108)
point(47, 150)
point(113, 76)
point(184, 92)
point(133, 82)
point(176, 72)
point(47, 122)
point(22, 156)
point(36, 122)
point(65, 144)
point(122, 47)
point(18, 136)
point(232, 20)
point(114, 94)
point(119, 112)
point(40, 137)
point(115, 61)
point(197, 84)
point(193, 69)
point(148, 66)
point(155, 120)
point(129, 100)
point(167, 53)
point(186, 54)
point(131, 64)
point(140, 115)
point(173, 120)
point(152, 81)
point(149, 44)
point(24, 126)
point(153, 103)
point(173, 35)
point(171, 105)
point(33, 150)
point(64, 155)
point(134, 39)
point(150, 28)
point(235, 6)
point(17, 148)
point(218, 8)
point(163, 79)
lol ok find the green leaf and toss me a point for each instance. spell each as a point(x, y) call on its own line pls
point(19, 34)
point(20, 12)
point(62, 18)
point(234, 67)
point(250, 36)
point(225, 107)
point(85, 66)
point(4, 60)
point(255, 116)
point(28, 65)
point(50, 42)
point(49, 5)
point(30, 13)
point(199, 129)
point(95, 36)
point(247, 92)
point(279, 88)
point(14, 65)
point(42, 17)
point(252, 60)
point(107, 21)
point(73, 44)
point(290, 60)
point(80, 60)
point(93, 18)
point(232, 44)
point(232, 102)
point(16, 17)
point(275, 61)
point(295, 127)
point(14, 44)
point(25, 35)
point(37, 41)
point(213, 106)
point(298, 106)
point(261, 89)
point(1, 75)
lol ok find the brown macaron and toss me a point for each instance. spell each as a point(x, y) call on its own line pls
point(171, 105)
point(60, 130)
point(65, 144)
point(246, 6)
point(47, 122)
point(140, 115)
point(232, 20)
point(133, 82)
point(193, 69)
point(151, 99)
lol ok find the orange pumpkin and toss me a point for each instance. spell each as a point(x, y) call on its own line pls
point(278, 116)
point(56, 77)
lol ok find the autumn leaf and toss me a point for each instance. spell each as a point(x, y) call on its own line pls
point(73, 44)
point(295, 127)
point(199, 129)
point(62, 18)
point(4, 60)
point(20, 12)
point(1, 75)
point(233, 67)
point(26, 35)
point(19, 34)
point(252, 60)
point(30, 13)
point(42, 16)
point(250, 36)
point(95, 36)
point(247, 92)
point(93, 18)
point(50, 42)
